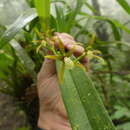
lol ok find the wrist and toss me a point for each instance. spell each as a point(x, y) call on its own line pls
point(53, 121)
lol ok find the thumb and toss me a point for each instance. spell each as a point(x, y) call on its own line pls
point(48, 69)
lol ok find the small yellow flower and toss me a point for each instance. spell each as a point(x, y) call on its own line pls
point(69, 64)
point(90, 54)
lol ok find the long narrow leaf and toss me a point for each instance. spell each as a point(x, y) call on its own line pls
point(111, 21)
point(43, 9)
point(93, 106)
point(74, 107)
point(115, 22)
point(23, 20)
point(116, 31)
point(60, 18)
point(70, 20)
point(63, 2)
point(24, 58)
point(83, 104)
point(124, 5)
point(90, 7)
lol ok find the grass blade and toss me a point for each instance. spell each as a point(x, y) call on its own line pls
point(70, 19)
point(93, 106)
point(116, 31)
point(43, 9)
point(22, 21)
point(24, 58)
point(63, 2)
point(74, 107)
point(114, 24)
point(60, 19)
point(124, 4)
point(90, 7)
point(84, 106)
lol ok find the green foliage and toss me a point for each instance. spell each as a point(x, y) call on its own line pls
point(95, 111)
point(77, 117)
point(19, 61)
point(43, 9)
point(124, 5)
point(125, 126)
point(81, 98)
point(114, 24)
point(24, 58)
point(24, 128)
point(23, 20)
point(121, 112)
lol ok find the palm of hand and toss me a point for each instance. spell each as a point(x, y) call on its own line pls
point(52, 115)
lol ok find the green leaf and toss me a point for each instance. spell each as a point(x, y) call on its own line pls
point(121, 112)
point(22, 21)
point(90, 7)
point(103, 18)
point(2, 29)
point(63, 2)
point(94, 108)
point(116, 32)
point(71, 18)
point(24, 58)
point(124, 126)
point(114, 23)
point(74, 107)
point(60, 19)
point(24, 128)
point(66, 19)
point(124, 5)
point(83, 104)
point(43, 9)
point(6, 60)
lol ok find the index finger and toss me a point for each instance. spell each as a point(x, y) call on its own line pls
point(70, 44)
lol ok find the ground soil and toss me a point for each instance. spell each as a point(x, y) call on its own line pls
point(11, 117)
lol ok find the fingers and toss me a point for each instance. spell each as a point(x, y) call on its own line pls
point(47, 70)
point(64, 35)
point(65, 38)
point(48, 67)
point(70, 44)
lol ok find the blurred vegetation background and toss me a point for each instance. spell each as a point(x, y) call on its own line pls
point(18, 98)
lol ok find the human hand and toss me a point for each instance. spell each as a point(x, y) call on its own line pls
point(52, 115)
